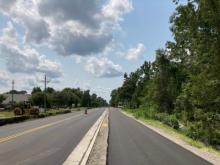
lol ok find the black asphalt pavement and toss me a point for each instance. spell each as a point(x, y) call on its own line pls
point(47, 141)
point(131, 143)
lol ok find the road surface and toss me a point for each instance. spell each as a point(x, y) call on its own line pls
point(47, 141)
point(131, 143)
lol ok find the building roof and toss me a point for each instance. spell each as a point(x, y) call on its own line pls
point(17, 98)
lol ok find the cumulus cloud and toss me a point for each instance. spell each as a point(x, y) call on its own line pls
point(115, 9)
point(5, 6)
point(25, 59)
point(85, 12)
point(70, 27)
point(101, 67)
point(4, 78)
point(66, 42)
point(136, 52)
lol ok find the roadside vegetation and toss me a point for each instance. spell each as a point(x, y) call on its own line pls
point(57, 102)
point(9, 117)
point(179, 133)
point(181, 88)
point(6, 114)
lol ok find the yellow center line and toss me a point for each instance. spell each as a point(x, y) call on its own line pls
point(34, 129)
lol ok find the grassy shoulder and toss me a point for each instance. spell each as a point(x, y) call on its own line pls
point(61, 111)
point(177, 133)
point(6, 114)
point(8, 117)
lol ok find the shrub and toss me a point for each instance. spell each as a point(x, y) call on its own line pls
point(169, 120)
point(173, 122)
point(13, 120)
point(42, 115)
point(193, 131)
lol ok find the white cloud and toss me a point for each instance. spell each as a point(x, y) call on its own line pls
point(5, 5)
point(65, 42)
point(84, 12)
point(70, 27)
point(136, 52)
point(101, 67)
point(25, 59)
point(4, 78)
point(115, 9)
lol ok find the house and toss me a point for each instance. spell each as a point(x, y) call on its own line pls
point(17, 98)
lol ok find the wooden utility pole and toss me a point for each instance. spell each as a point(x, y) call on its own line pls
point(45, 92)
point(12, 94)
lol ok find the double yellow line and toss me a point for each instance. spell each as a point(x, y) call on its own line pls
point(34, 129)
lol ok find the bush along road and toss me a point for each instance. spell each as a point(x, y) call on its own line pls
point(17, 119)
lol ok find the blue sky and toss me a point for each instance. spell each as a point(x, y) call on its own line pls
point(90, 50)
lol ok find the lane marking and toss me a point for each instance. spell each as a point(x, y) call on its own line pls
point(35, 129)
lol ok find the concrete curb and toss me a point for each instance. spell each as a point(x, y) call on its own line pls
point(212, 158)
point(99, 153)
point(80, 154)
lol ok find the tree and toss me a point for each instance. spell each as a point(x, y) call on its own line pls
point(37, 98)
point(114, 98)
point(86, 100)
point(36, 89)
point(2, 98)
point(197, 39)
point(50, 90)
point(184, 79)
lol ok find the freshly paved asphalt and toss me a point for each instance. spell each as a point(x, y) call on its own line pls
point(49, 145)
point(131, 143)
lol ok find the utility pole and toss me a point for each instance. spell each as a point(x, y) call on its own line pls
point(45, 92)
point(12, 94)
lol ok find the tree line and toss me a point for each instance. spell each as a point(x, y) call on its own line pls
point(68, 97)
point(184, 79)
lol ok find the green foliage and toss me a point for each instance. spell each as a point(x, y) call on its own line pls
point(2, 98)
point(86, 100)
point(183, 83)
point(169, 120)
point(68, 97)
point(165, 118)
point(37, 98)
point(16, 119)
point(35, 90)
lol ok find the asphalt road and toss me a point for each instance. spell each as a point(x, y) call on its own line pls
point(47, 141)
point(131, 143)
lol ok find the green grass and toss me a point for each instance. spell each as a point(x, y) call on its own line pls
point(6, 114)
point(176, 133)
point(53, 112)
point(64, 109)
point(8, 117)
